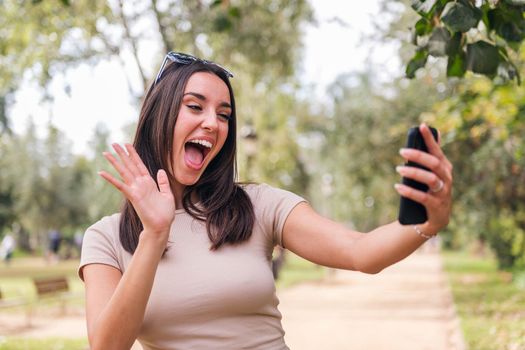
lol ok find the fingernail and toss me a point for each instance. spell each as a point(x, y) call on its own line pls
point(397, 186)
point(399, 168)
point(403, 151)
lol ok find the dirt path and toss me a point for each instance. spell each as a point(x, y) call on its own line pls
point(407, 306)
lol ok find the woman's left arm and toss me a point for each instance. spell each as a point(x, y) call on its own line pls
point(329, 243)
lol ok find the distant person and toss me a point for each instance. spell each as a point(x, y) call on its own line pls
point(55, 240)
point(187, 262)
point(7, 247)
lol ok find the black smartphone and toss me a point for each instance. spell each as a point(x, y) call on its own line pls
point(411, 212)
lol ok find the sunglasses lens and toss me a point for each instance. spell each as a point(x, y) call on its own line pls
point(183, 58)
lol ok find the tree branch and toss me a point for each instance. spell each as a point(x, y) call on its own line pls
point(133, 42)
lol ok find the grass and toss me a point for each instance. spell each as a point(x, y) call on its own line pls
point(491, 307)
point(296, 270)
point(38, 344)
point(16, 280)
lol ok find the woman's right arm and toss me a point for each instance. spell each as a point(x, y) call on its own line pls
point(116, 302)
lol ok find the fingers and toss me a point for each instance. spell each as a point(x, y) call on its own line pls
point(432, 144)
point(120, 168)
point(131, 168)
point(109, 178)
point(126, 160)
point(440, 167)
point(162, 180)
point(423, 176)
point(416, 195)
point(136, 160)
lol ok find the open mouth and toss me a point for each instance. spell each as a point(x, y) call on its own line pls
point(195, 152)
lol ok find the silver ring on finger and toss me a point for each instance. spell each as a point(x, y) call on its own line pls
point(439, 187)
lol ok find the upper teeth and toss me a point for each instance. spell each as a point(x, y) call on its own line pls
point(202, 142)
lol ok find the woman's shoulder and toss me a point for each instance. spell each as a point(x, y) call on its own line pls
point(108, 225)
point(264, 193)
point(255, 190)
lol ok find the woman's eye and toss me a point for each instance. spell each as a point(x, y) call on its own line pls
point(225, 117)
point(194, 107)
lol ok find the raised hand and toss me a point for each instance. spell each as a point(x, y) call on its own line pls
point(154, 205)
point(438, 200)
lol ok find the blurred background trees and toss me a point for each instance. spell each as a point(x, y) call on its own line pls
point(340, 152)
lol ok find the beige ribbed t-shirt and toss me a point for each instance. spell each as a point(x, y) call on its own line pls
point(204, 299)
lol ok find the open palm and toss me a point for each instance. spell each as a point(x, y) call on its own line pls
point(154, 205)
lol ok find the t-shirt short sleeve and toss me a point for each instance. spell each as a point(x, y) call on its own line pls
point(100, 244)
point(272, 206)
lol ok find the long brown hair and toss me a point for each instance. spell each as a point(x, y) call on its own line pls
point(224, 205)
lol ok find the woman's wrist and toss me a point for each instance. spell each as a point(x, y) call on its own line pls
point(427, 230)
point(156, 239)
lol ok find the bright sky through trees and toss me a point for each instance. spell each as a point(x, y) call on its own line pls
point(100, 94)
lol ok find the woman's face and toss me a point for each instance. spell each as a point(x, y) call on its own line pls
point(202, 126)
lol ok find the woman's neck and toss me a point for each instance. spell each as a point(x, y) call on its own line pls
point(178, 190)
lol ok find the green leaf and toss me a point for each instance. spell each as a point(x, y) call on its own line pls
point(454, 44)
point(515, 2)
point(216, 3)
point(222, 23)
point(508, 22)
point(234, 12)
point(482, 58)
point(423, 7)
point(459, 17)
point(456, 65)
point(423, 27)
point(65, 2)
point(438, 42)
point(418, 61)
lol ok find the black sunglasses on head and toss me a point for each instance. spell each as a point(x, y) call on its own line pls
point(184, 58)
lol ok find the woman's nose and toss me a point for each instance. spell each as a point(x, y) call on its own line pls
point(210, 121)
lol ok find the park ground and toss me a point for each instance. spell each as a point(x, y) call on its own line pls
point(407, 306)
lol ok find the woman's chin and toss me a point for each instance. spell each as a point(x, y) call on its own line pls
point(188, 179)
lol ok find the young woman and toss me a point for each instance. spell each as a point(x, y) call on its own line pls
point(187, 263)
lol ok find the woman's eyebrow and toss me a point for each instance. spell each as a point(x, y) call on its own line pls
point(199, 96)
point(203, 98)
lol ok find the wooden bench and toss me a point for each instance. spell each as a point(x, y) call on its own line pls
point(53, 288)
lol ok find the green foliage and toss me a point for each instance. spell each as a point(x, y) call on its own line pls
point(489, 305)
point(418, 61)
point(481, 37)
point(36, 36)
point(482, 58)
point(483, 127)
point(360, 136)
point(45, 186)
point(460, 16)
point(508, 242)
